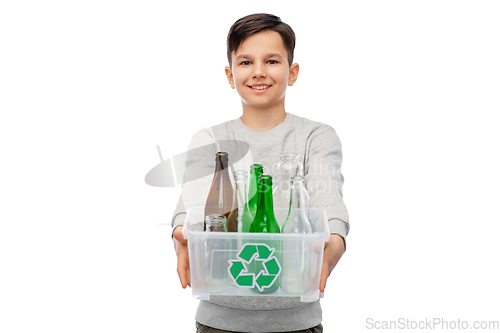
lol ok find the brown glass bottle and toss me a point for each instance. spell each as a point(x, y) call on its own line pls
point(220, 195)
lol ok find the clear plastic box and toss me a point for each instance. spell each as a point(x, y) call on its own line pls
point(256, 264)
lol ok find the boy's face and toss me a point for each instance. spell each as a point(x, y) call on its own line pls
point(261, 61)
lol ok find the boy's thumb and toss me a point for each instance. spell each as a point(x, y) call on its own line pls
point(178, 235)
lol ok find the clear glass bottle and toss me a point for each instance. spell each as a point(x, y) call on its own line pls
point(296, 267)
point(216, 223)
point(239, 219)
point(216, 279)
point(297, 221)
point(220, 195)
point(290, 165)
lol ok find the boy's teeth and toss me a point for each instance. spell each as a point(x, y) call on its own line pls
point(260, 87)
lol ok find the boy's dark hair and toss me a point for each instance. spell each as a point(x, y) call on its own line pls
point(254, 23)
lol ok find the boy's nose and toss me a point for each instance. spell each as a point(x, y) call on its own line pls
point(259, 71)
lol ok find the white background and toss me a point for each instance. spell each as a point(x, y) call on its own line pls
point(89, 88)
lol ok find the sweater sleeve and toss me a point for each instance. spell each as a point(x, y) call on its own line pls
point(197, 174)
point(323, 178)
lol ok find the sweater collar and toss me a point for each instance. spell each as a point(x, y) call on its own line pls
point(286, 124)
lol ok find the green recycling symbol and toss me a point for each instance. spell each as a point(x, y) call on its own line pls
point(263, 279)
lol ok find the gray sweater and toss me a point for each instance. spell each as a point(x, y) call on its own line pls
point(322, 157)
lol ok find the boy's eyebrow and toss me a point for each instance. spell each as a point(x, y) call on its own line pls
point(269, 55)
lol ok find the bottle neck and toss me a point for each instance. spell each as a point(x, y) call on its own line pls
point(297, 184)
point(290, 166)
point(221, 164)
point(240, 177)
point(217, 227)
point(290, 158)
point(299, 196)
point(265, 193)
point(216, 222)
point(256, 172)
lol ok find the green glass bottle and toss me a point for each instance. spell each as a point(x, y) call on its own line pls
point(267, 278)
point(256, 170)
point(264, 220)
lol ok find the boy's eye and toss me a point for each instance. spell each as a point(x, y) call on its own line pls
point(244, 63)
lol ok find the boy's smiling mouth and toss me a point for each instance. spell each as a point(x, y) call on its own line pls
point(259, 87)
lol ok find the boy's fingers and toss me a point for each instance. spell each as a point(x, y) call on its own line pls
point(184, 274)
point(324, 276)
point(183, 269)
point(332, 253)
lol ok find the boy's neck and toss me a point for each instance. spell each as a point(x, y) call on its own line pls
point(262, 120)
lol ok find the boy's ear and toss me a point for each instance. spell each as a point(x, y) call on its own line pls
point(294, 73)
point(229, 74)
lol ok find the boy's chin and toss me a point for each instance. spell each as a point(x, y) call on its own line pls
point(257, 105)
point(264, 104)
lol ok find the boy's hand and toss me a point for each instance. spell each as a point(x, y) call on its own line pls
point(334, 249)
point(181, 249)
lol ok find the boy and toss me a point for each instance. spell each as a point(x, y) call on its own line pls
point(260, 54)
